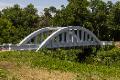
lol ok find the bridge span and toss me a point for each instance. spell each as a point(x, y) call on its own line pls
point(58, 37)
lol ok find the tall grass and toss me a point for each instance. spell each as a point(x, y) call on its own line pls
point(53, 60)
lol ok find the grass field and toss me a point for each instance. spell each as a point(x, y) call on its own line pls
point(28, 65)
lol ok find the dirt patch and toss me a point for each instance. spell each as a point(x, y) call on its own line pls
point(117, 44)
point(27, 73)
point(7, 65)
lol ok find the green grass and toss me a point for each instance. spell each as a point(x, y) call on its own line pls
point(40, 60)
point(5, 75)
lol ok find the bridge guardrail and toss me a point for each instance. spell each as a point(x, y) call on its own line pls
point(105, 43)
point(9, 47)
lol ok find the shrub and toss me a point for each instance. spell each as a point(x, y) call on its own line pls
point(110, 57)
point(62, 54)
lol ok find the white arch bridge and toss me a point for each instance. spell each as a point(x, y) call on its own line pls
point(58, 37)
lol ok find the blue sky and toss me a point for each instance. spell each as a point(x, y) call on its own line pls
point(39, 4)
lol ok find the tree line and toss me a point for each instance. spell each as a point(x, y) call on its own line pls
point(102, 18)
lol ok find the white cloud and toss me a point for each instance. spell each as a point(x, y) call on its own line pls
point(111, 0)
point(4, 5)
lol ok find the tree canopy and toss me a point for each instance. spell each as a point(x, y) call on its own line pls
point(102, 18)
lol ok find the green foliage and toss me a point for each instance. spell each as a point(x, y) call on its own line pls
point(62, 54)
point(3, 74)
point(75, 14)
point(44, 61)
point(107, 48)
point(109, 57)
point(102, 18)
point(16, 23)
point(7, 30)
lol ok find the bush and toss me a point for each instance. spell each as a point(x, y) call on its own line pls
point(75, 55)
point(110, 57)
point(62, 54)
point(107, 48)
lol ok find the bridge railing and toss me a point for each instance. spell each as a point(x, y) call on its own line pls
point(12, 47)
point(105, 43)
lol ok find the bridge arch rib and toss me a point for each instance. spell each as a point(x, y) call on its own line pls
point(70, 30)
point(35, 33)
point(64, 37)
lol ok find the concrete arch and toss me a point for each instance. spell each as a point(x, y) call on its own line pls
point(65, 29)
point(35, 33)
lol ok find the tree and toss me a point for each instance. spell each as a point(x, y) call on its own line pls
point(8, 32)
point(117, 13)
point(78, 12)
point(31, 18)
point(0, 14)
point(45, 20)
point(75, 13)
point(13, 14)
point(24, 20)
point(101, 18)
point(116, 21)
point(98, 18)
point(52, 9)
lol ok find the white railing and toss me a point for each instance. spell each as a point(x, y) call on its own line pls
point(10, 47)
point(13, 47)
point(104, 43)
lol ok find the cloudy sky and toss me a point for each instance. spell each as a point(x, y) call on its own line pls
point(39, 4)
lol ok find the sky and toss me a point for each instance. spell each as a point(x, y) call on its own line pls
point(39, 4)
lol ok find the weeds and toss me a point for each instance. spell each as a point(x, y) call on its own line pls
point(67, 60)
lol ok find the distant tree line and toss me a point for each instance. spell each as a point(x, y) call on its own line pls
point(102, 18)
